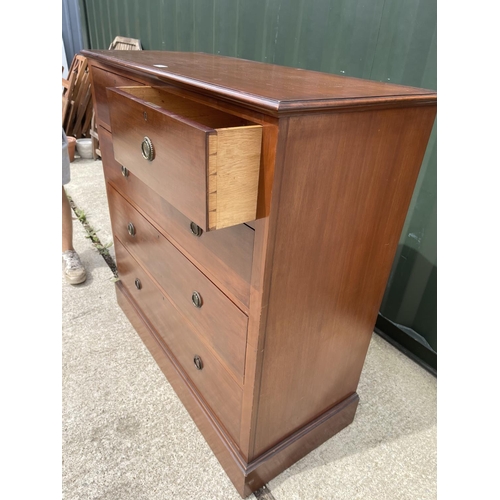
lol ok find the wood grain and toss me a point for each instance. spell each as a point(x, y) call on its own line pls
point(188, 161)
point(266, 467)
point(259, 301)
point(339, 158)
point(218, 389)
point(269, 88)
point(218, 320)
point(178, 172)
point(100, 81)
point(225, 256)
point(194, 111)
point(234, 173)
point(269, 123)
point(346, 183)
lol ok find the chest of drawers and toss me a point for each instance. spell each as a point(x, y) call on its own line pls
point(256, 211)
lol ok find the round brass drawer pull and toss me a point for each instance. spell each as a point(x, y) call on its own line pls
point(147, 149)
point(131, 229)
point(138, 283)
point(196, 299)
point(195, 229)
point(124, 171)
point(198, 362)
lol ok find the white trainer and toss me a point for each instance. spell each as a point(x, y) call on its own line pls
point(73, 268)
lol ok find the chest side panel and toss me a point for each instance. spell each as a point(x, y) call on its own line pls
point(347, 181)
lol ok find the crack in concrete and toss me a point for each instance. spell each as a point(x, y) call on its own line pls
point(92, 235)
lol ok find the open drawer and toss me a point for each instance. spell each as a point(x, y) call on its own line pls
point(203, 161)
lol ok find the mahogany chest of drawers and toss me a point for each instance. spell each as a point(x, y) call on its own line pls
point(256, 211)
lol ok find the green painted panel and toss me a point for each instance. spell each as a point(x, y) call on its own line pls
point(226, 17)
point(405, 43)
point(185, 25)
point(251, 23)
point(166, 36)
point(287, 32)
point(148, 17)
point(354, 26)
point(204, 26)
point(313, 35)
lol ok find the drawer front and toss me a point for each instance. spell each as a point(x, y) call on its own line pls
point(212, 381)
point(101, 80)
point(178, 171)
point(172, 144)
point(214, 315)
point(225, 254)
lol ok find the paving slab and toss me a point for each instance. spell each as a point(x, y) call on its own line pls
point(388, 452)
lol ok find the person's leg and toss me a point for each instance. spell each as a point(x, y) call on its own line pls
point(73, 267)
point(67, 223)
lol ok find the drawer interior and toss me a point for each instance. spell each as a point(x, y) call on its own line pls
point(200, 113)
point(101, 80)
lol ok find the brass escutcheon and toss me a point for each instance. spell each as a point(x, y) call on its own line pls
point(147, 149)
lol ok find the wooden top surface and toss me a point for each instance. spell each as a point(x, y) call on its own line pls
point(268, 87)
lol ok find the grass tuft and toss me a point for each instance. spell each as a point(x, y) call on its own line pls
point(92, 236)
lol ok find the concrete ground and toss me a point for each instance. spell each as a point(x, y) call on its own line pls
point(126, 436)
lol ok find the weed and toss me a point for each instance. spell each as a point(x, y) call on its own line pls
point(92, 236)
